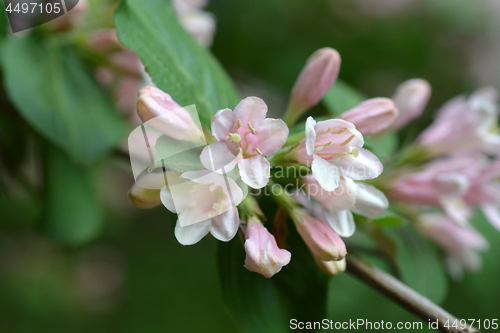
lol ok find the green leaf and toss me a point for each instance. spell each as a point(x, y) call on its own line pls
point(419, 263)
point(72, 210)
point(58, 97)
point(176, 62)
point(342, 97)
point(3, 22)
point(389, 219)
point(249, 297)
point(177, 155)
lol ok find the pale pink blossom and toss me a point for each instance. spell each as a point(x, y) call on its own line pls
point(372, 116)
point(333, 148)
point(323, 242)
point(459, 242)
point(160, 111)
point(263, 255)
point(205, 202)
point(245, 137)
point(317, 76)
point(337, 206)
point(463, 124)
point(411, 98)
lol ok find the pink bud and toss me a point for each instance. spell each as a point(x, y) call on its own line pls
point(263, 254)
point(323, 242)
point(318, 75)
point(159, 110)
point(411, 98)
point(331, 267)
point(372, 116)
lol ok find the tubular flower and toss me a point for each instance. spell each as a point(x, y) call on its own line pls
point(205, 202)
point(411, 98)
point(337, 206)
point(460, 243)
point(245, 137)
point(323, 242)
point(160, 111)
point(331, 267)
point(263, 255)
point(372, 116)
point(464, 124)
point(333, 148)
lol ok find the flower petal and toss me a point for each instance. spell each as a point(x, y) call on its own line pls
point(341, 221)
point(167, 200)
point(364, 166)
point(255, 171)
point(218, 157)
point(192, 233)
point(251, 109)
point(225, 226)
point(492, 214)
point(326, 173)
point(310, 135)
point(223, 122)
point(370, 201)
point(272, 135)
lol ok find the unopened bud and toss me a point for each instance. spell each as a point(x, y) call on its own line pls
point(323, 242)
point(331, 267)
point(411, 98)
point(162, 112)
point(144, 198)
point(263, 255)
point(318, 75)
point(372, 116)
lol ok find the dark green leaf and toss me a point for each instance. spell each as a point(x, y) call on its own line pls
point(72, 210)
point(342, 97)
point(249, 297)
point(419, 263)
point(389, 219)
point(60, 99)
point(3, 22)
point(175, 61)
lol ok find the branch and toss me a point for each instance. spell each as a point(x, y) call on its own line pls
point(403, 295)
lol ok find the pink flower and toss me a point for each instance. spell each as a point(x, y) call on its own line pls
point(485, 192)
point(318, 75)
point(337, 206)
point(322, 241)
point(245, 137)
point(263, 255)
point(333, 148)
point(372, 116)
point(159, 110)
point(411, 98)
point(441, 183)
point(331, 267)
point(198, 23)
point(205, 202)
point(459, 242)
point(463, 125)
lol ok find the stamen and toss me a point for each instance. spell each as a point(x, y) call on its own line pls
point(320, 148)
point(340, 131)
point(355, 152)
point(251, 128)
point(258, 151)
point(347, 141)
point(238, 124)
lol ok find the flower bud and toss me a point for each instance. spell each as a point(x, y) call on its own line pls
point(323, 242)
point(372, 116)
point(331, 267)
point(159, 110)
point(318, 75)
point(263, 254)
point(144, 198)
point(411, 98)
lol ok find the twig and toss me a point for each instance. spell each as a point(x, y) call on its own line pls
point(404, 295)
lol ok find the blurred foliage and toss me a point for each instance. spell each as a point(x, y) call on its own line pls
point(76, 256)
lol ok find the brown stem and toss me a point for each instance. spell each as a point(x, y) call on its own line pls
point(403, 295)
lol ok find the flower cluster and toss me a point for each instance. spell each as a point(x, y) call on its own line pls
point(436, 182)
